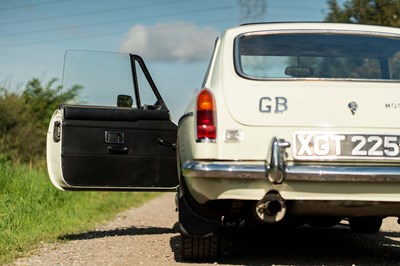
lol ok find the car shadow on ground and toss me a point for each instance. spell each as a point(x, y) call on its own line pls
point(118, 232)
point(304, 246)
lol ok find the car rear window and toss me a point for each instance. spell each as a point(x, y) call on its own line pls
point(317, 55)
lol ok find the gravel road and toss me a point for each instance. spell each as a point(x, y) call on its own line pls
point(148, 236)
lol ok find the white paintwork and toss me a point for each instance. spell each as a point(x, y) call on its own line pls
point(53, 153)
point(314, 105)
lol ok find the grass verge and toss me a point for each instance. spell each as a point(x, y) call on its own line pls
point(32, 210)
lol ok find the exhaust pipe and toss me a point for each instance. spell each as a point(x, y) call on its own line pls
point(271, 208)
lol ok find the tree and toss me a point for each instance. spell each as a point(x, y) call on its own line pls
point(373, 12)
point(41, 101)
point(24, 119)
point(370, 12)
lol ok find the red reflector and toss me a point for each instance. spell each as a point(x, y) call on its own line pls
point(206, 128)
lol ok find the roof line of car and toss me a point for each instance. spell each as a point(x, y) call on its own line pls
point(285, 22)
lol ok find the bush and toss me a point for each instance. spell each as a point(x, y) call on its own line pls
point(24, 120)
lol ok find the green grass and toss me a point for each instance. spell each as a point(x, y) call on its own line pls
point(32, 210)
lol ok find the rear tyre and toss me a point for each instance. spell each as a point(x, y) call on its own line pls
point(199, 248)
point(365, 225)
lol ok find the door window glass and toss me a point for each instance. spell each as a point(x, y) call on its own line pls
point(103, 76)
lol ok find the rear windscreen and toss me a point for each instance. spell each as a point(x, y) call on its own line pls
point(318, 55)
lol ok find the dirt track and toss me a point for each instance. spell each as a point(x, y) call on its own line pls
point(148, 236)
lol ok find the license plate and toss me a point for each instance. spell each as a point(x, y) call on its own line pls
point(332, 145)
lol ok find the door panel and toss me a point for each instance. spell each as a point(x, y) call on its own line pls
point(123, 151)
point(122, 138)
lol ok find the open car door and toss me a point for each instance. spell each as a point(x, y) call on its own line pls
point(117, 133)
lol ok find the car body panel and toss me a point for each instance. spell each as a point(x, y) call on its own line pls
point(313, 106)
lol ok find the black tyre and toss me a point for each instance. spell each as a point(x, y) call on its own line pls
point(199, 248)
point(365, 225)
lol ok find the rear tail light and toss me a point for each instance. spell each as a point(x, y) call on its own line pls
point(206, 116)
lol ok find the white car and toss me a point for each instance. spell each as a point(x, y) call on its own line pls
point(297, 123)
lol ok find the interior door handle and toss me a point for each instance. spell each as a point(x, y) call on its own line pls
point(118, 149)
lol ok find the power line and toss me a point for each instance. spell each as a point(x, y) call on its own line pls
point(87, 13)
point(123, 20)
point(295, 7)
point(31, 5)
point(108, 11)
point(116, 33)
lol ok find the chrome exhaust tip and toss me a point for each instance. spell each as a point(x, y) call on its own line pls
point(271, 208)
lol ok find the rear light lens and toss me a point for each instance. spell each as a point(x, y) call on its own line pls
point(205, 116)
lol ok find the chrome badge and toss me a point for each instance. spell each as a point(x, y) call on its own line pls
point(353, 107)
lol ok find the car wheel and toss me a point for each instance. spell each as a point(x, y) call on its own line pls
point(199, 248)
point(365, 225)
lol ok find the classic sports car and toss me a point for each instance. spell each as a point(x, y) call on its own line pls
point(296, 123)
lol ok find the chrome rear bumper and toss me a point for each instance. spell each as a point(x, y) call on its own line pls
point(243, 170)
point(278, 170)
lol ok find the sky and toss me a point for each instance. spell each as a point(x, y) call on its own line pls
point(174, 37)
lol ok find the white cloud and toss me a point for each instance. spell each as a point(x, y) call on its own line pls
point(181, 42)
